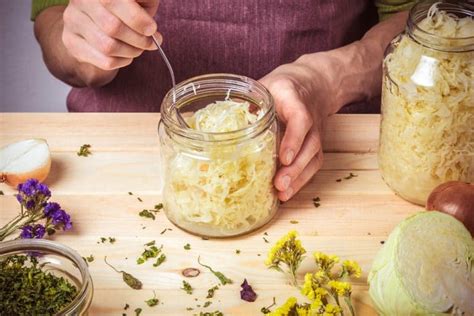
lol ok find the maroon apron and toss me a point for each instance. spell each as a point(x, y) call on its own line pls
point(245, 37)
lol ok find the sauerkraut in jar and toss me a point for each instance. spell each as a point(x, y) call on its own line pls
point(427, 128)
point(218, 172)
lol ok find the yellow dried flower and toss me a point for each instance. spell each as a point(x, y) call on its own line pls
point(324, 261)
point(352, 268)
point(312, 289)
point(332, 310)
point(289, 251)
point(285, 309)
point(340, 288)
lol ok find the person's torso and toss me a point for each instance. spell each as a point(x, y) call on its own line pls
point(245, 37)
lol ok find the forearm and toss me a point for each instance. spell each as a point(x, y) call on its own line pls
point(48, 29)
point(354, 72)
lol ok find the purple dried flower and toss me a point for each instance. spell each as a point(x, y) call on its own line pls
point(32, 194)
point(51, 208)
point(247, 293)
point(33, 231)
point(61, 218)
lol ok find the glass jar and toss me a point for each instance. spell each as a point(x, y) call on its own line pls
point(61, 261)
point(218, 184)
point(427, 127)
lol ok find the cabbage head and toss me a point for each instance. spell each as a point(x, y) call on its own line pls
point(425, 268)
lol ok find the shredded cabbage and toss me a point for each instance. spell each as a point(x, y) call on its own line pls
point(222, 189)
point(427, 129)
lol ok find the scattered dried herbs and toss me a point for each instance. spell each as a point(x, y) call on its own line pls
point(164, 230)
point(138, 311)
point(126, 306)
point(190, 272)
point(294, 222)
point(382, 242)
point(130, 193)
point(160, 260)
point(187, 287)
point(26, 289)
point(266, 310)
point(88, 259)
point(151, 251)
point(187, 247)
point(84, 151)
point(237, 251)
point(222, 278)
point(129, 279)
point(212, 291)
point(316, 201)
point(152, 212)
point(247, 293)
point(189, 309)
point(147, 214)
point(206, 304)
point(338, 180)
point(1, 192)
point(265, 240)
point(139, 199)
point(103, 240)
point(152, 301)
point(214, 313)
point(350, 176)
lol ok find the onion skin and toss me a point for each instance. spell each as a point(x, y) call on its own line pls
point(455, 198)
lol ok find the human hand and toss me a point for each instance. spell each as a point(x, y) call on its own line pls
point(303, 100)
point(109, 34)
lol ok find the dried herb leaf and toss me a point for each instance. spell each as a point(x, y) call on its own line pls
point(214, 313)
point(294, 222)
point(139, 199)
point(112, 240)
point(206, 304)
point(152, 301)
point(1, 192)
point(266, 310)
point(265, 240)
point(90, 258)
point(147, 214)
point(129, 279)
point(160, 260)
point(126, 306)
point(84, 151)
point(187, 287)
point(350, 176)
point(237, 251)
point(138, 311)
point(187, 247)
point(164, 230)
point(130, 193)
point(151, 243)
point(222, 278)
point(158, 206)
point(211, 291)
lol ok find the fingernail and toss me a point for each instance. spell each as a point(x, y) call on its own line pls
point(285, 180)
point(289, 156)
point(289, 193)
point(150, 30)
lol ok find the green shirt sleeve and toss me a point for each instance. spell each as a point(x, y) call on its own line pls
point(388, 7)
point(39, 5)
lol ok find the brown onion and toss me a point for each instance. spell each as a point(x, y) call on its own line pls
point(455, 198)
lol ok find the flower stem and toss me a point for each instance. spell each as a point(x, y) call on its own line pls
point(349, 303)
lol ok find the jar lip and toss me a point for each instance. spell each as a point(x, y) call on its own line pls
point(422, 7)
point(182, 87)
point(60, 249)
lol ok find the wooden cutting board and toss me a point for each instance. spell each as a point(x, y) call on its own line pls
point(354, 218)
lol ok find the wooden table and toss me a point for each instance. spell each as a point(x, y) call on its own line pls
point(355, 215)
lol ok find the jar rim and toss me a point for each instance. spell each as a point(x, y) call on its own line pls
point(419, 11)
point(60, 249)
point(212, 137)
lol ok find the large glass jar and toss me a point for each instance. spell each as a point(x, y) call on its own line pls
point(427, 128)
point(219, 184)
